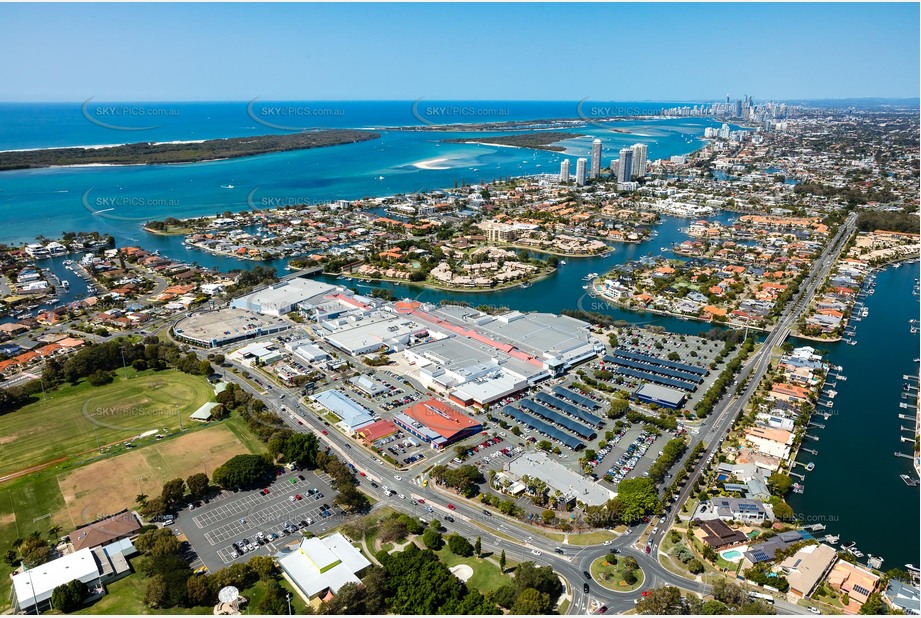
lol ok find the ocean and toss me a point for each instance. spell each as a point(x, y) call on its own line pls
point(50, 201)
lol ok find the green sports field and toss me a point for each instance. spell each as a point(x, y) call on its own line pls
point(74, 418)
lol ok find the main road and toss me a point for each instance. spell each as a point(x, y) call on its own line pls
point(522, 542)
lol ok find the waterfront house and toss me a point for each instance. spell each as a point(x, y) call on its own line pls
point(806, 568)
point(857, 582)
point(770, 441)
point(717, 535)
point(901, 596)
point(766, 551)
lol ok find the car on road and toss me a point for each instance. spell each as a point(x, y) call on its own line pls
point(487, 513)
point(601, 609)
point(451, 506)
point(398, 478)
point(814, 610)
point(402, 497)
point(421, 501)
point(535, 552)
point(449, 518)
point(559, 550)
point(587, 574)
point(608, 542)
point(585, 588)
point(645, 593)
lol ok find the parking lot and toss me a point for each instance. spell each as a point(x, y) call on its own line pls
point(630, 455)
point(259, 521)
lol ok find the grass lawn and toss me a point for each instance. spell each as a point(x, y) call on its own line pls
point(611, 576)
point(586, 538)
point(36, 502)
point(75, 417)
point(126, 597)
point(486, 577)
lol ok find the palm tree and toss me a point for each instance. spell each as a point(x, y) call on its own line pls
point(54, 532)
point(141, 499)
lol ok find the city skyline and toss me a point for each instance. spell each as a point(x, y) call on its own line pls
point(860, 51)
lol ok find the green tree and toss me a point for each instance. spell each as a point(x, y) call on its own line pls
point(779, 483)
point(156, 594)
point(531, 602)
point(478, 547)
point(301, 448)
point(663, 601)
point(200, 591)
point(460, 545)
point(874, 606)
point(173, 492)
point(502, 561)
point(432, 539)
point(198, 485)
point(68, 597)
point(243, 471)
point(274, 601)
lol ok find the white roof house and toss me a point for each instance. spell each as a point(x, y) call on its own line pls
point(320, 564)
point(36, 585)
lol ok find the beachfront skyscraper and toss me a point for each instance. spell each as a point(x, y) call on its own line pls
point(580, 170)
point(564, 171)
point(625, 165)
point(639, 160)
point(596, 159)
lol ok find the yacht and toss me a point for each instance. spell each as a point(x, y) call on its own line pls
point(227, 186)
point(65, 284)
point(810, 466)
point(908, 480)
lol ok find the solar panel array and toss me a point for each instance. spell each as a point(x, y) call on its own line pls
point(573, 396)
point(661, 361)
point(654, 370)
point(568, 408)
point(649, 377)
point(555, 417)
point(542, 427)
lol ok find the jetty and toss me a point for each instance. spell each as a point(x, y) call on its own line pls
point(810, 451)
point(898, 454)
point(814, 424)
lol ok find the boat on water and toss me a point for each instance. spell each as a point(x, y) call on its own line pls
point(524, 286)
point(908, 480)
point(810, 466)
point(584, 287)
point(918, 360)
point(65, 283)
point(562, 262)
point(227, 186)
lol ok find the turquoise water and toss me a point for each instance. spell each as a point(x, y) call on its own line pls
point(731, 554)
point(50, 201)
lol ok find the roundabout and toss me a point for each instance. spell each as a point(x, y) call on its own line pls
point(615, 576)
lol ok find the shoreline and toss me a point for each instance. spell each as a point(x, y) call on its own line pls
point(679, 316)
point(441, 288)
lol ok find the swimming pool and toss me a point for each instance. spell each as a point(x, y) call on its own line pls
point(733, 555)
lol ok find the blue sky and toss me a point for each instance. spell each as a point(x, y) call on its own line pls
point(620, 52)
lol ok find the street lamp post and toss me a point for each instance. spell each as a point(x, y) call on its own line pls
point(289, 603)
